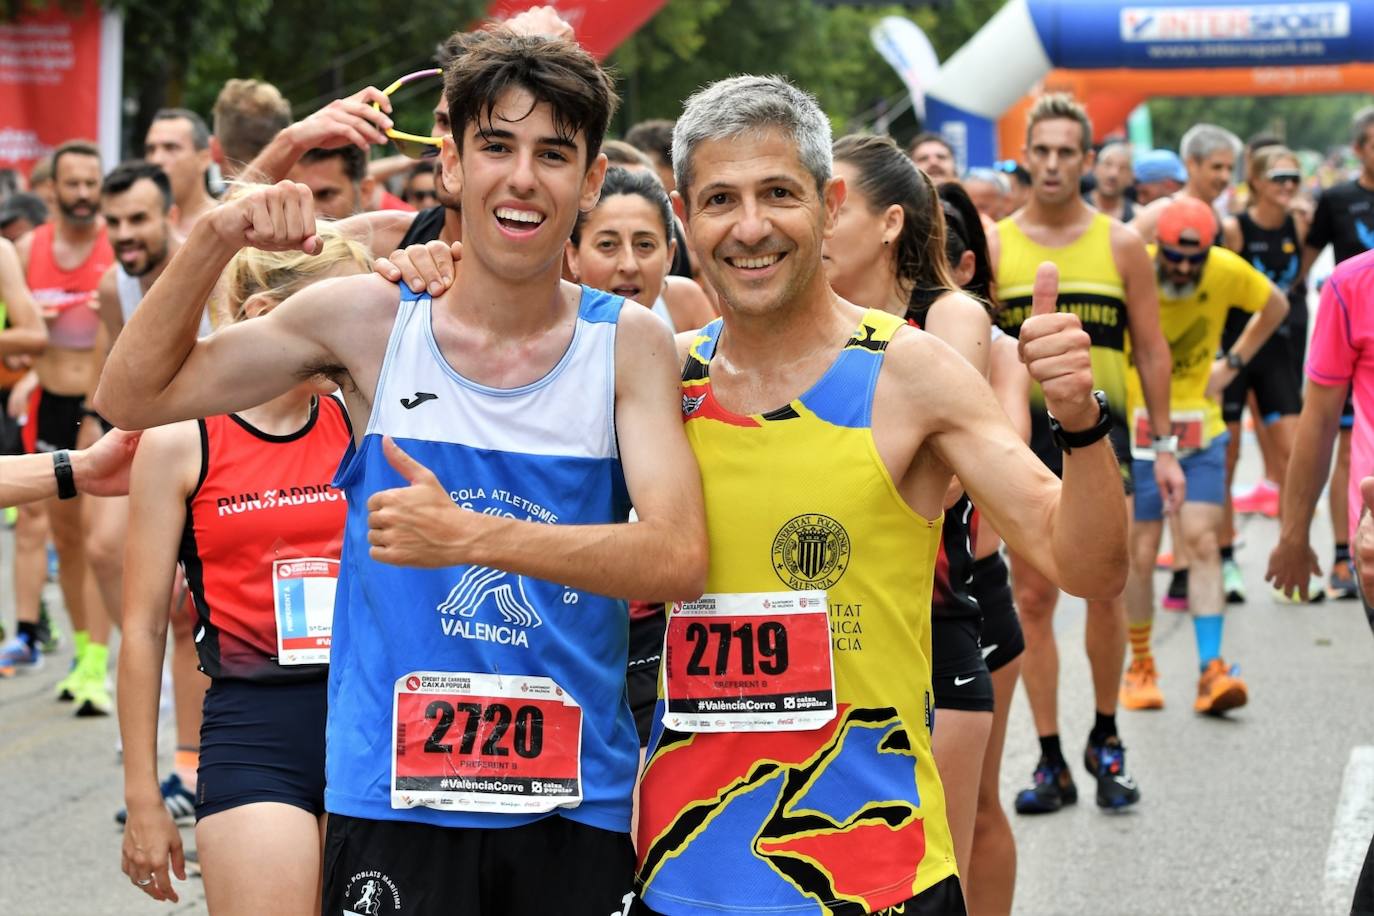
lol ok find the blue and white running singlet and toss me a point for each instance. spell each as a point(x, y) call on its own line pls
point(467, 696)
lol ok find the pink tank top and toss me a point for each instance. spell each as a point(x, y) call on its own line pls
point(67, 298)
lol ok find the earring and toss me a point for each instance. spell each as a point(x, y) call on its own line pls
point(887, 241)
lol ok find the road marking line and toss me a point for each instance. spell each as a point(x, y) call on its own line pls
point(1351, 831)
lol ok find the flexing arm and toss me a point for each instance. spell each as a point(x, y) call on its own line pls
point(660, 557)
point(165, 471)
point(1150, 350)
point(24, 331)
point(158, 372)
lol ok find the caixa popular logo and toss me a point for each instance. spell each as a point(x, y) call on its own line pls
point(1288, 22)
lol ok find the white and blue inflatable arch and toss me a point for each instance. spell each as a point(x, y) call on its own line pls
point(1028, 38)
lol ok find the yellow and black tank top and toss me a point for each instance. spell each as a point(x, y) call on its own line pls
point(848, 818)
point(1090, 287)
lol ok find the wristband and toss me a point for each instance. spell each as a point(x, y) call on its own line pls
point(1165, 445)
point(1234, 360)
point(1069, 441)
point(62, 470)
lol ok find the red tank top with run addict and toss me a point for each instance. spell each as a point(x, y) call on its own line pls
point(67, 298)
point(264, 529)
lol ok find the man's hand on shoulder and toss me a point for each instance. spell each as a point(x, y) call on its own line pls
point(1057, 353)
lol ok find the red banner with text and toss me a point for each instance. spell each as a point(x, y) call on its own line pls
point(600, 25)
point(49, 83)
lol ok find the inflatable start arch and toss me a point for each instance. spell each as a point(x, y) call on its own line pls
point(1114, 54)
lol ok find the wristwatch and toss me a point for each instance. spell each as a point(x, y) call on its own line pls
point(1234, 360)
point(1068, 441)
point(62, 470)
point(1164, 445)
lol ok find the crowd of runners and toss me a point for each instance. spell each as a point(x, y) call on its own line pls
point(657, 524)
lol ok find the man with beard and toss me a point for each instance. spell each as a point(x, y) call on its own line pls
point(934, 156)
point(1199, 284)
point(179, 141)
point(63, 262)
point(136, 201)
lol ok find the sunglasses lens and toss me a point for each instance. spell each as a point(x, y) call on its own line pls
point(1285, 177)
point(414, 149)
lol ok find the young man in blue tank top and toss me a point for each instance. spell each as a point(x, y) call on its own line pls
point(478, 676)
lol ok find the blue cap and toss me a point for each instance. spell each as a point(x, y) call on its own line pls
point(1159, 165)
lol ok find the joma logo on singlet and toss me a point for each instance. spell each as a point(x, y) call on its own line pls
point(271, 499)
point(505, 592)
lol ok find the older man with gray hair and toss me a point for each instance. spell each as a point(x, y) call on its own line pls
point(1209, 154)
point(793, 773)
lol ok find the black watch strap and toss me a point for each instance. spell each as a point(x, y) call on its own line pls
point(1068, 441)
point(62, 470)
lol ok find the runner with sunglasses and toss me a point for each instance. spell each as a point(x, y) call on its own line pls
point(1198, 283)
point(1271, 239)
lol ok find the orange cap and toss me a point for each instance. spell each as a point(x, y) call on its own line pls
point(1187, 221)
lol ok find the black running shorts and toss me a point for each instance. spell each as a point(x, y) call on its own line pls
point(1278, 393)
point(959, 673)
point(53, 421)
point(641, 674)
point(1001, 638)
point(262, 743)
point(553, 865)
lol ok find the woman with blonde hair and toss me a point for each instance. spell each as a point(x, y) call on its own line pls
point(244, 502)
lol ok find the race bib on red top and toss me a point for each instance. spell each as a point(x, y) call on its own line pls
point(479, 742)
point(303, 600)
point(1189, 425)
point(749, 663)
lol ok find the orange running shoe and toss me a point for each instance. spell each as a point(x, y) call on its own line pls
point(1219, 689)
point(1140, 686)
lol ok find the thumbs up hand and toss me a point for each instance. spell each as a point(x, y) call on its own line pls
point(417, 524)
point(1055, 349)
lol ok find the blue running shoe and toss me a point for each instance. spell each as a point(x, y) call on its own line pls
point(19, 657)
point(1053, 790)
point(1107, 763)
point(181, 804)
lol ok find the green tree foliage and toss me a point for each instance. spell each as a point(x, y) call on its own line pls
point(824, 49)
point(1304, 122)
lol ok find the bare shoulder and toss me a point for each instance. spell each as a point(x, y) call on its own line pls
point(173, 451)
point(922, 369)
point(642, 334)
point(954, 305)
point(1128, 244)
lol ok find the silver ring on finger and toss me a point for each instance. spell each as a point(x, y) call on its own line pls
point(144, 882)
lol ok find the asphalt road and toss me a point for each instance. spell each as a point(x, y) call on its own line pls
point(1266, 812)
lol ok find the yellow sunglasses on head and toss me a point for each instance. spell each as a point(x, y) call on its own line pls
point(412, 145)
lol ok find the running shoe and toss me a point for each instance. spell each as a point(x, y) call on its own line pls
point(92, 696)
point(1053, 790)
point(1176, 598)
point(1107, 763)
point(1316, 594)
point(1140, 686)
point(1232, 582)
point(1262, 500)
point(1164, 562)
point(67, 687)
point(1219, 689)
point(19, 657)
point(180, 803)
point(49, 636)
point(1342, 587)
